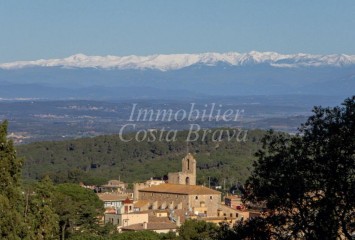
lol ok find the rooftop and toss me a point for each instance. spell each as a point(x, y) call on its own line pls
point(151, 226)
point(112, 197)
point(233, 197)
point(180, 189)
point(140, 203)
point(113, 184)
point(127, 201)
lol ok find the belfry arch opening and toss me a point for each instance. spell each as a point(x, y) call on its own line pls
point(187, 181)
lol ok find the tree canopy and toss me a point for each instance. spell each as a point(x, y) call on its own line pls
point(307, 181)
point(40, 210)
point(99, 159)
point(11, 199)
point(77, 207)
point(198, 230)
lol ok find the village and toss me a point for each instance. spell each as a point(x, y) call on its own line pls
point(162, 206)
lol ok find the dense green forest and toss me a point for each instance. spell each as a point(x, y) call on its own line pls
point(96, 160)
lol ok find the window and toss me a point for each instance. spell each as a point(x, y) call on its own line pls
point(211, 197)
point(196, 197)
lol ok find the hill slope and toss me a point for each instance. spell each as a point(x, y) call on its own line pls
point(95, 160)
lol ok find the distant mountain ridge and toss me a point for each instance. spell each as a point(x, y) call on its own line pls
point(166, 62)
point(177, 76)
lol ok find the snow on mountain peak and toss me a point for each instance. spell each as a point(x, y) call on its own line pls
point(165, 62)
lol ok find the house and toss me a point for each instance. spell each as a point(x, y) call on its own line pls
point(159, 227)
point(234, 201)
point(125, 219)
point(160, 221)
point(113, 200)
point(125, 215)
point(113, 186)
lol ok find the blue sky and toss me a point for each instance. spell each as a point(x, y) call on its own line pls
point(54, 29)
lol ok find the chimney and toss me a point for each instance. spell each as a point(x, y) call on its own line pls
point(145, 225)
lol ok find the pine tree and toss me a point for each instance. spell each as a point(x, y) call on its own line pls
point(77, 208)
point(11, 198)
point(40, 215)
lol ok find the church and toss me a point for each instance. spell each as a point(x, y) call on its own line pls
point(188, 174)
point(181, 194)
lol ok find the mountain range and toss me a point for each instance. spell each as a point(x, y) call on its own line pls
point(179, 75)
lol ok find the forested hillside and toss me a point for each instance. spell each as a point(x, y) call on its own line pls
point(96, 160)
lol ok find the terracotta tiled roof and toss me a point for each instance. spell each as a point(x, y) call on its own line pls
point(233, 198)
point(152, 218)
point(182, 214)
point(226, 207)
point(151, 226)
point(141, 203)
point(180, 189)
point(111, 197)
point(216, 218)
point(134, 213)
point(110, 210)
point(127, 201)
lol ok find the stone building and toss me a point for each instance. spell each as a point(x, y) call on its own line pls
point(125, 216)
point(190, 199)
point(188, 174)
point(149, 183)
point(159, 227)
point(113, 186)
point(234, 201)
point(113, 200)
point(180, 194)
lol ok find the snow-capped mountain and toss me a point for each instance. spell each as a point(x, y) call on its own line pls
point(179, 75)
point(178, 61)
